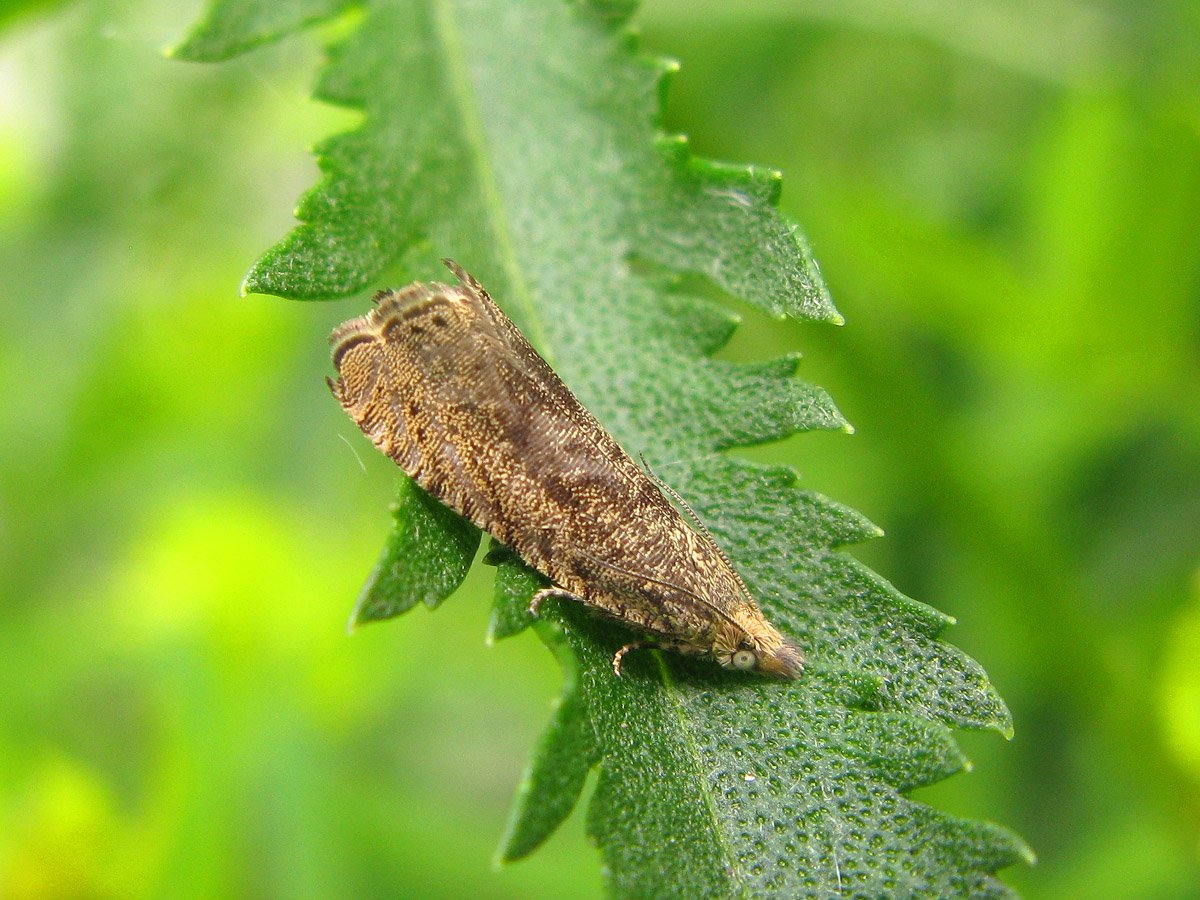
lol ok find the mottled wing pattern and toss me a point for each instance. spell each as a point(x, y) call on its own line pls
point(570, 470)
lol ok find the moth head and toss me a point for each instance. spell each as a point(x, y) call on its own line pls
point(356, 358)
point(768, 653)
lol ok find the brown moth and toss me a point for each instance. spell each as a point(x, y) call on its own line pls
point(444, 383)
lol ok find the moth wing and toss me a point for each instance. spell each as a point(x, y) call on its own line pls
point(507, 444)
point(538, 458)
point(556, 423)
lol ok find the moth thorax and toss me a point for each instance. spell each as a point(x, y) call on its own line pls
point(430, 320)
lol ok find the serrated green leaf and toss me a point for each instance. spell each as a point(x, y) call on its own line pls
point(520, 139)
point(515, 586)
point(425, 559)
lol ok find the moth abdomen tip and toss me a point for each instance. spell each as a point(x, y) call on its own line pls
point(786, 661)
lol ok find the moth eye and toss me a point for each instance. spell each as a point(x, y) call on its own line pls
point(745, 659)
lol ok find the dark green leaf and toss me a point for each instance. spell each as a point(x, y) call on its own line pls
point(425, 559)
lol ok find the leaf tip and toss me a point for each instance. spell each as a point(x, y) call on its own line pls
point(182, 51)
point(362, 611)
point(674, 146)
point(250, 284)
point(1026, 852)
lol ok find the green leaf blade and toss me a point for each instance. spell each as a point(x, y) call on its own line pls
point(721, 221)
point(428, 552)
point(560, 765)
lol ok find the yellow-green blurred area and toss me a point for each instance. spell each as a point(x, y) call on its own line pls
point(1005, 199)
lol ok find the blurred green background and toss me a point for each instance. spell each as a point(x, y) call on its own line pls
point(1005, 199)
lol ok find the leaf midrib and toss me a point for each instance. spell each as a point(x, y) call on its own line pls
point(448, 37)
point(672, 693)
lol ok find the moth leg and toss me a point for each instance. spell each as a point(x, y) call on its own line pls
point(620, 654)
point(541, 595)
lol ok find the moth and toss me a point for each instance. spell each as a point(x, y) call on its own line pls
point(442, 382)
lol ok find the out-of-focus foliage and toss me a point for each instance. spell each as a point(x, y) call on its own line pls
point(1005, 205)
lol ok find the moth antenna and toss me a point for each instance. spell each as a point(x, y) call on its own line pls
point(379, 295)
point(678, 499)
point(703, 529)
point(670, 584)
